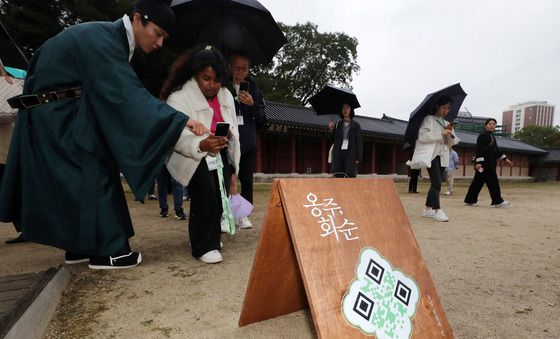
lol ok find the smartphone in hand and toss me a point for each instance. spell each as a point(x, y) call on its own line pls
point(222, 129)
point(244, 86)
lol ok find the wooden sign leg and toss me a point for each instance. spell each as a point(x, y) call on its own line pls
point(275, 286)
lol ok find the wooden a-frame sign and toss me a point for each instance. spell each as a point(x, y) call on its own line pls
point(301, 262)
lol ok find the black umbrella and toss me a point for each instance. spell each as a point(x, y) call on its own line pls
point(10, 53)
point(428, 105)
point(330, 99)
point(230, 25)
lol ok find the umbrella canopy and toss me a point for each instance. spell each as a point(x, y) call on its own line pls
point(428, 105)
point(230, 25)
point(10, 54)
point(330, 99)
point(16, 72)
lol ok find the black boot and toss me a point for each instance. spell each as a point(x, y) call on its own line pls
point(16, 240)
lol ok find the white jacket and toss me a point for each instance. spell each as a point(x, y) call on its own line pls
point(186, 156)
point(430, 133)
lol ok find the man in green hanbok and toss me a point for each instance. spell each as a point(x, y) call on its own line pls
point(84, 118)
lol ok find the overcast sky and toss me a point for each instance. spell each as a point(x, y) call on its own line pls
point(503, 52)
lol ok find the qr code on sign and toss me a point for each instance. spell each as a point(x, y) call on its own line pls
point(381, 300)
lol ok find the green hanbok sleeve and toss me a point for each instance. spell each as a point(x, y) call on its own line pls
point(134, 128)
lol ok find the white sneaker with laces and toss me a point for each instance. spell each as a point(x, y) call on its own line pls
point(211, 257)
point(503, 204)
point(245, 222)
point(428, 213)
point(440, 215)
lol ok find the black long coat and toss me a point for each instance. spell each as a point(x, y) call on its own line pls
point(487, 151)
point(345, 161)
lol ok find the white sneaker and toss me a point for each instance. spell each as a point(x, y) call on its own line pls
point(223, 225)
point(503, 204)
point(440, 215)
point(211, 257)
point(474, 204)
point(245, 222)
point(448, 193)
point(428, 213)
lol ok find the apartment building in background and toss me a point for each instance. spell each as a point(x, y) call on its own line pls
point(528, 113)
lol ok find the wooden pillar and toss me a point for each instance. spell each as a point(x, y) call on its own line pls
point(258, 162)
point(373, 165)
point(273, 146)
point(394, 159)
point(324, 155)
point(511, 167)
point(464, 162)
point(501, 167)
point(293, 154)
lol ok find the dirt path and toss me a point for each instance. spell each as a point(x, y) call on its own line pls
point(497, 272)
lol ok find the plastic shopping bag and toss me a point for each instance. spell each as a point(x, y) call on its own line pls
point(240, 207)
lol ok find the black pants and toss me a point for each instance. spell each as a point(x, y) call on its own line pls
point(413, 182)
point(246, 170)
point(432, 200)
point(206, 207)
point(344, 163)
point(489, 177)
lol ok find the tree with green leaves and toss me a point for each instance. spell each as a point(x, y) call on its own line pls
point(31, 22)
point(546, 137)
point(309, 61)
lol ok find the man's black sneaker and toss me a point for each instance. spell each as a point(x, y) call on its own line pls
point(73, 258)
point(128, 260)
point(163, 213)
point(180, 215)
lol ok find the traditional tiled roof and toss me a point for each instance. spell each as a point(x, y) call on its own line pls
point(553, 156)
point(386, 127)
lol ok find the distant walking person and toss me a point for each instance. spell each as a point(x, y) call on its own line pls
point(347, 148)
point(165, 184)
point(414, 175)
point(487, 154)
point(450, 170)
point(413, 182)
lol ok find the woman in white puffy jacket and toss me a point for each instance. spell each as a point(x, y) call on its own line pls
point(196, 86)
point(436, 130)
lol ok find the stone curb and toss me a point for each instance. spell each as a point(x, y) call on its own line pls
point(40, 305)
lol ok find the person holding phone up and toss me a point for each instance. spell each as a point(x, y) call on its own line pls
point(249, 108)
point(196, 85)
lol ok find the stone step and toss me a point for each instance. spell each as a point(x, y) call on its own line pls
point(28, 302)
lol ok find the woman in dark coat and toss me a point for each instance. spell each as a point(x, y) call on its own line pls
point(347, 143)
point(487, 154)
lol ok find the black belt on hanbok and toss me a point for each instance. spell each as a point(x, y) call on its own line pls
point(34, 100)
